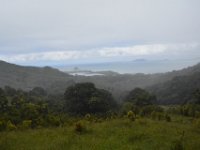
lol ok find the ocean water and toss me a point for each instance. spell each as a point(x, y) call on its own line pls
point(158, 66)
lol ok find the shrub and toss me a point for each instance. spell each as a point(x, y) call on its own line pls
point(147, 110)
point(127, 106)
point(177, 145)
point(154, 115)
point(53, 120)
point(88, 117)
point(167, 118)
point(79, 127)
point(157, 115)
point(196, 123)
point(197, 114)
point(2, 125)
point(26, 124)
point(131, 115)
point(142, 121)
point(10, 126)
point(160, 116)
point(39, 122)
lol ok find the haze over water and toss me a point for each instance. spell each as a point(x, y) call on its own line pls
point(137, 66)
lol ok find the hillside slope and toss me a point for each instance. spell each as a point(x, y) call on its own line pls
point(178, 90)
point(29, 77)
point(167, 86)
point(121, 84)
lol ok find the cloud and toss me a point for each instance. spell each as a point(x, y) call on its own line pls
point(62, 24)
point(138, 50)
point(148, 50)
point(63, 30)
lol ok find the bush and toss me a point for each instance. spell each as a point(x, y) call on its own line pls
point(196, 123)
point(2, 125)
point(131, 115)
point(26, 124)
point(88, 117)
point(10, 126)
point(197, 114)
point(40, 122)
point(177, 145)
point(157, 115)
point(142, 121)
point(53, 120)
point(79, 127)
point(167, 118)
point(160, 116)
point(154, 115)
point(147, 110)
point(127, 106)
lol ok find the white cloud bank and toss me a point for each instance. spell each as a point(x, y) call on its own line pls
point(35, 26)
point(148, 50)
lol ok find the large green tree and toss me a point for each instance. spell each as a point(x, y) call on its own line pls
point(141, 97)
point(85, 98)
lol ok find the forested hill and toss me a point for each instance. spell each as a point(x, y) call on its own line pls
point(179, 90)
point(167, 86)
point(27, 78)
point(121, 84)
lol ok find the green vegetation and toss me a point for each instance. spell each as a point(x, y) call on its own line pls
point(174, 87)
point(84, 98)
point(112, 134)
point(86, 117)
point(141, 97)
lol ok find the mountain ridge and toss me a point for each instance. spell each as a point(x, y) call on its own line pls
point(55, 81)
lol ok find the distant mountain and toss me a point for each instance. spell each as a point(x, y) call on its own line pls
point(140, 60)
point(27, 78)
point(167, 86)
point(121, 84)
point(179, 89)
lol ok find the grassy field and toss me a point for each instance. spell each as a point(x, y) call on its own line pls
point(114, 134)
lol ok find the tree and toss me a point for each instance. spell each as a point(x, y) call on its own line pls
point(9, 91)
point(197, 96)
point(83, 98)
point(17, 102)
point(3, 102)
point(38, 91)
point(101, 101)
point(140, 97)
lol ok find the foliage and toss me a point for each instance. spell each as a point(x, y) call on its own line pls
point(88, 117)
point(38, 91)
point(140, 97)
point(3, 101)
point(26, 124)
point(177, 145)
point(179, 90)
point(147, 110)
point(83, 98)
point(116, 134)
point(158, 116)
point(167, 118)
point(10, 126)
point(53, 120)
point(131, 115)
point(79, 127)
point(127, 106)
point(2, 125)
point(197, 96)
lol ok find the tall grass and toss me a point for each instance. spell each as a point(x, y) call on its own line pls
point(114, 134)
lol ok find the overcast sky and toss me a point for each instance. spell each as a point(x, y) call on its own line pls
point(43, 32)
